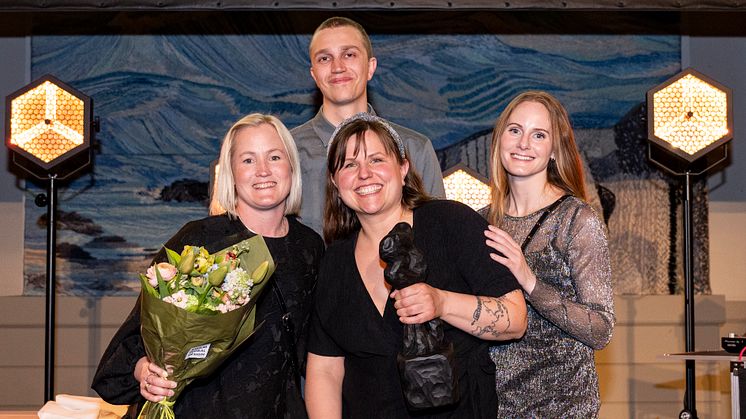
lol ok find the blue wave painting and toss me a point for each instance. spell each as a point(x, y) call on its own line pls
point(166, 97)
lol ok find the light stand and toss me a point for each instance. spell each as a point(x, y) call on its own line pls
point(690, 121)
point(48, 132)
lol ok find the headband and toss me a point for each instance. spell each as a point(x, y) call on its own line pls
point(367, 117)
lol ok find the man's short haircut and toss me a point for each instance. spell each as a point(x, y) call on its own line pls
point(338, 22)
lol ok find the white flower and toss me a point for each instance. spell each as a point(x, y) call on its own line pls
point(181, 299)
point(237, 287)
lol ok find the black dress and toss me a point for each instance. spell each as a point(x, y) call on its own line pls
point(345, 321)
point(256, 381)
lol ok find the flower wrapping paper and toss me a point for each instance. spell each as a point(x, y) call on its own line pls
point(169, 333)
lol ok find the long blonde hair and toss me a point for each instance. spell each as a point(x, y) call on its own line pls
point(565, 171)
point(224, 196)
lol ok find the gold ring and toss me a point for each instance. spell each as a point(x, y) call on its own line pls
point(147, 387)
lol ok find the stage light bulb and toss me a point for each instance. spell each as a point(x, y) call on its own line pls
point(47, 122)
point(465, 188)
point(690, 114)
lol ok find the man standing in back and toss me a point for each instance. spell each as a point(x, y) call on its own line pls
point(342, 63)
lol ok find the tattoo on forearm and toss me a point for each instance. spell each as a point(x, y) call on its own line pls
point(477, 312)
point(494, 311)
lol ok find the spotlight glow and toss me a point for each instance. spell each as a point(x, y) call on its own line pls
point(47, 122)
point(690, 115)
point(463, 187)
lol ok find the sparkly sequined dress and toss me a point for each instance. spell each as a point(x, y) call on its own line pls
point(550, 372)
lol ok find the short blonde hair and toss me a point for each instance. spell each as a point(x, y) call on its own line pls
point(224, 195)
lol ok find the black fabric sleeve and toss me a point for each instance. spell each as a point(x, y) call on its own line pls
point(319, 340)
point(485, 276)
point(454, 234)
point(312, 245)
point(114, 379)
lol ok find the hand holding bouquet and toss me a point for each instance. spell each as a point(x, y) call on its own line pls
point(197, 308)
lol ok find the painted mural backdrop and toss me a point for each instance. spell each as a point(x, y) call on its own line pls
point(167, 87)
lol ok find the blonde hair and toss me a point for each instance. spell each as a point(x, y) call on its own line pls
point(565, 171)
point(224, 195)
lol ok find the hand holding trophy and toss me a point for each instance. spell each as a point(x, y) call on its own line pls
point(426, 361)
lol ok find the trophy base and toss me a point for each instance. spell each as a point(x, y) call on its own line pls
point(429, 381)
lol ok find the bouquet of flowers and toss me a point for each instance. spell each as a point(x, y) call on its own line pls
point(197, 308)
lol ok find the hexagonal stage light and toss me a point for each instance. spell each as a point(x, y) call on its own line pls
point(690, 115)
point(48, 128)
point(466, 186)
point(690, 121)
point(48, 132)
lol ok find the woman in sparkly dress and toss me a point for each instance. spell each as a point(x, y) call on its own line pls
point(556, 246)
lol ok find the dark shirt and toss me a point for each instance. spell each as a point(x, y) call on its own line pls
point(256, 381)
point(346, 322)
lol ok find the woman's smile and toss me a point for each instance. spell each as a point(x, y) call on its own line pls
point(370, 180)
point(368, 189)
point(265, 185)
point(521, 157)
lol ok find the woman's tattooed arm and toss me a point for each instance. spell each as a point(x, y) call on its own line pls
point(491, 317)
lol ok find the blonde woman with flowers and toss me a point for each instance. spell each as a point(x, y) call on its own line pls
point(259, 185)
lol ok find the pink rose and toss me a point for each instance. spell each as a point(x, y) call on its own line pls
point(167, 271)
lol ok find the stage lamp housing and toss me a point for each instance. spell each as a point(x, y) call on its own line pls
point(690, 120)
point(690, 115)
point(214, 208)
point(48, 128)
point(466, 186)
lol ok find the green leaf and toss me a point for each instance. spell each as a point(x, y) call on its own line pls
point(162, 286)
point(173, 257)
point(203, 296)
point(147, 287)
